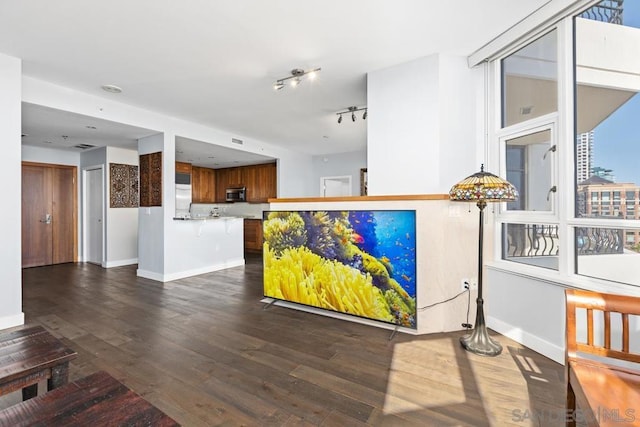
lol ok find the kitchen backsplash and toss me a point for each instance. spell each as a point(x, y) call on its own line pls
point(253, 210)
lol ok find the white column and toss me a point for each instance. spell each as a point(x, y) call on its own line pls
point(10, 174)
point(425, 125)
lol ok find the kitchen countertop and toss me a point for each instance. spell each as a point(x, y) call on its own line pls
point(201, 218)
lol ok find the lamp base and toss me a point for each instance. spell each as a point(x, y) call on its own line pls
point(479, 342)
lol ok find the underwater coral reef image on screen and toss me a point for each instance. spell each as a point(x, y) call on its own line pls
point(361, 263)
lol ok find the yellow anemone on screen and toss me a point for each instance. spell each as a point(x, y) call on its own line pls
point(301, 276)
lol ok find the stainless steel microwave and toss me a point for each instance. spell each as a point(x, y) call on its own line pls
point(236, 194)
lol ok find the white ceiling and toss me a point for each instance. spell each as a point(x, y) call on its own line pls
point(214, 62)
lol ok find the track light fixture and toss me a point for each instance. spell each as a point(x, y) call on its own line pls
point(352, 110)
point(296, 77)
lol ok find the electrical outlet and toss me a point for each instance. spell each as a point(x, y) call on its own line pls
point(464, 284)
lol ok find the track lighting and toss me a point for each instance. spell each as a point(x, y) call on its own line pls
point(352, 110)
point(296, 77)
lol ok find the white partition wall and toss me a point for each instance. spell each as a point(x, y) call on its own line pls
point(10, 219)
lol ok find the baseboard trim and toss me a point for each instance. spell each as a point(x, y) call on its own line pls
point(150, 275)
point(11, 321)
point(336, 315)
point(189, 273)
point(121, 263)
point(535, 343)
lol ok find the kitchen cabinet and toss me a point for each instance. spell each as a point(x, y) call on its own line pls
point(225, 178)
point(253, 235)
point(182, 167)
point(260, 181)
point(203, 185)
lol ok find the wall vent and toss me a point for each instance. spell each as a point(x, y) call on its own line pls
point(83, 146)
point(237, 141)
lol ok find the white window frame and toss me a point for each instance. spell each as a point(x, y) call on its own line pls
point(564, 207)
point(539, 124)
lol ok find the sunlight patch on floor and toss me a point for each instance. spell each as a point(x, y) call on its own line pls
point(423, 375)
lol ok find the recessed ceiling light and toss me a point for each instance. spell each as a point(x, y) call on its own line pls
point(111, 88)
point(91, 127)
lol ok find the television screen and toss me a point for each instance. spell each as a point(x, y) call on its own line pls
point(360, 262)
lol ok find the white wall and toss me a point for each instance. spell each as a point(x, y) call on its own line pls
point(295, 175)
point(341, 164)
point(426, 128)
point(122, 223)
point(10, 172)
point(529, 311)
point(151, 229)
point(294, 169)
point(50, 155)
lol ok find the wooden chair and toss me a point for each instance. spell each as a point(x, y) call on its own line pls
point(598, 392)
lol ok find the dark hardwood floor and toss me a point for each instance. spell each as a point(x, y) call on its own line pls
point(205, 351)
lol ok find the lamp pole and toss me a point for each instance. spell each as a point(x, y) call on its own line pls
point(479, 341)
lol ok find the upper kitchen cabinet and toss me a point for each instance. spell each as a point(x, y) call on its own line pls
point(182, 167)
point(261, 182)
point(203, 185)
point(225, 178)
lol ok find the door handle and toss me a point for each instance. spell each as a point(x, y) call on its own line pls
point(47, 219)
point(551, 190)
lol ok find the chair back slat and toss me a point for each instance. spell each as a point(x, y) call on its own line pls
point(606, 304)
point(589, 326)
point(607, 330)
point(625, 332)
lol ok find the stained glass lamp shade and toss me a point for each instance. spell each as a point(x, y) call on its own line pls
point(482, 187)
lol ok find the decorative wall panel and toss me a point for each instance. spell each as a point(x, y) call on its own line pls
point(123, 186)
point(151, 179)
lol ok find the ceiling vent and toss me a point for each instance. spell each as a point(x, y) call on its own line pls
point(83, 146)
point(237, 141)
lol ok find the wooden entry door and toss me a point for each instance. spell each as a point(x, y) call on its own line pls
point(48, 214)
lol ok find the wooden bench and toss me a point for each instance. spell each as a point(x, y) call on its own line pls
point(600, 393)
point(95, 400)
point(30, 355)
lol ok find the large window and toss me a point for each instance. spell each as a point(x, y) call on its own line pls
point(607, 82)
point(529, 89)
point(530, 81)
point(568, 138)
